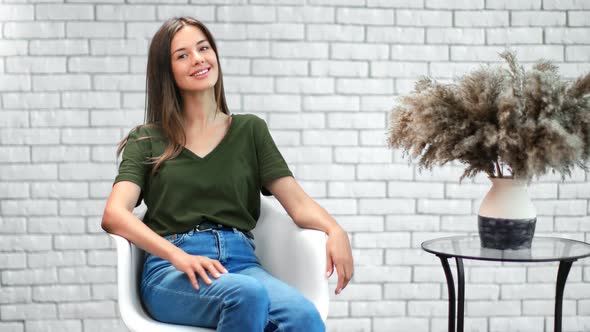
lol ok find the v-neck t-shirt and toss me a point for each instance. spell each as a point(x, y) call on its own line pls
point(222, 187)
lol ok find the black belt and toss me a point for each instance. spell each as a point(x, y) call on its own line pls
point(205, 225)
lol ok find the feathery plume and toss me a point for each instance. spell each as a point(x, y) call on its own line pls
point(503, 122)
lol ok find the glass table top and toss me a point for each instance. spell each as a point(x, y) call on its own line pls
point(543, 249)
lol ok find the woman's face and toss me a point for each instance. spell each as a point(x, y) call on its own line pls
point(194, 63)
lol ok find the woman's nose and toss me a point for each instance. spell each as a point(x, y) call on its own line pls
point(197, 56)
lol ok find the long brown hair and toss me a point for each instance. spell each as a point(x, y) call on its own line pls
point(163, 99)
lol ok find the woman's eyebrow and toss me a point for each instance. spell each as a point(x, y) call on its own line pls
point(182, 48)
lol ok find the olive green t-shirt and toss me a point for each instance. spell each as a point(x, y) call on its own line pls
point(222, 187)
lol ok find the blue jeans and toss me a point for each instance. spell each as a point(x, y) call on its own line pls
point(246, 299)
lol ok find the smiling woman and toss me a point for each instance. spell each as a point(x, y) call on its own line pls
point(200, 172)
point(177, 101)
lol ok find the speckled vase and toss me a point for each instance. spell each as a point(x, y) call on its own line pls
point(507, 216)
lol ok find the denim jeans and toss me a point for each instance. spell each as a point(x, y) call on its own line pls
point(247, 298)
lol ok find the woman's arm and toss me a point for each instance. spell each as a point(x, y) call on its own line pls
point(306, 213)
point(118, 219)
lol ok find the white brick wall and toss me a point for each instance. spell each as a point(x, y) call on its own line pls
point(324, 74)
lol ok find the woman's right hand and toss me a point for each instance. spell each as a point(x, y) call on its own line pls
point(193, 265)
point(118, 218)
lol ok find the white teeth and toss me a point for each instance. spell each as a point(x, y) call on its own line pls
point(201, 72)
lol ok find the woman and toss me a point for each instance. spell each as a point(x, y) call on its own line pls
point(200, 171)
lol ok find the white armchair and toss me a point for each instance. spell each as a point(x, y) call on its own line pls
point(294, 255)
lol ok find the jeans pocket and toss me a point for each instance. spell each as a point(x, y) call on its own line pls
point(175, 239)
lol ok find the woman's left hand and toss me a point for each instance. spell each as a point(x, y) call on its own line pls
point(339, 255)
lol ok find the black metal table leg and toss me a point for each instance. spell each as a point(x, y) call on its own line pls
point(461, 294)
point(562, 272)
point(451, 289)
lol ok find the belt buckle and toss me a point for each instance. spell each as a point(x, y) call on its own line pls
point(206, 226)
point(198, 229)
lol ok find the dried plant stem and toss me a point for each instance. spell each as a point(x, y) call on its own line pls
point(498, 168)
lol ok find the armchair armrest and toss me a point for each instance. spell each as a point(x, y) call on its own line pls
point(295, 255)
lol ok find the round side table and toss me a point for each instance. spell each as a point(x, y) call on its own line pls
point(543, 249)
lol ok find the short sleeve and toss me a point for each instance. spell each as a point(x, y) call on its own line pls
point(133, 167)
point(271, 164)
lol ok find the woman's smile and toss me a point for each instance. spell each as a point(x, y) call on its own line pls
point(201, 73)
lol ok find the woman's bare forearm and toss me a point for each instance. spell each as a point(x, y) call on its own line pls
point(310, 214)
point(124, 223)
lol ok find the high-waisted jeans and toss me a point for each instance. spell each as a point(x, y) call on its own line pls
point(246, 299)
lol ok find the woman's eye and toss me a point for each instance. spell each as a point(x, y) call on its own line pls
point(180, 56)
point(204, 48)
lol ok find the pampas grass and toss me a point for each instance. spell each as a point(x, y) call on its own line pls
point(506, 122)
